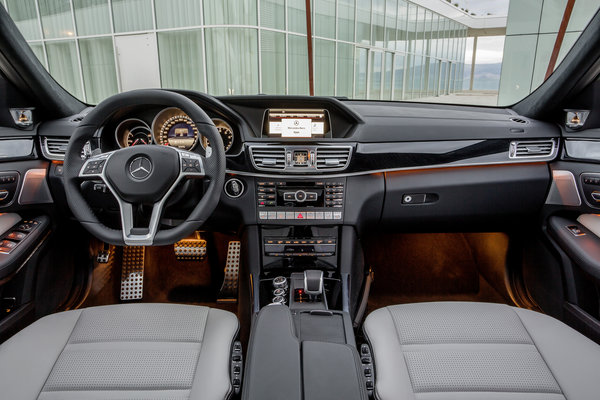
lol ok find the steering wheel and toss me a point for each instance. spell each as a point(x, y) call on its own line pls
point(143, 175)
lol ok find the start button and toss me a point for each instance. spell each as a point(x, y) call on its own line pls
point(234, 188)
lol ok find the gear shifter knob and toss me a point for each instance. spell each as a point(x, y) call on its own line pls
point(313, 282)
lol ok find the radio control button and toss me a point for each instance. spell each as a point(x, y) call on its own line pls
point(262, 215)
point(289, 196)
point(328, 215)
point(337, 215)
point(280, 215)
point(289, 215)
point(271, 215)
point(319, 215)
point(300, 196)
point(310, 215)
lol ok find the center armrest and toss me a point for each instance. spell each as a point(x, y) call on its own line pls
point(273, 367)
point(308, 355)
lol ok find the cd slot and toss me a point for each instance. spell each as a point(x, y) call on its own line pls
point(313, 247)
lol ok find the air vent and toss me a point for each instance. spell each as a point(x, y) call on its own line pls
point(77, 118)
point(518, 120)
point(54, 148)
point(268, 157)
point(330, 157)
point(532, 149)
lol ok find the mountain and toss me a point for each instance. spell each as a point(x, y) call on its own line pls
point(487, 76)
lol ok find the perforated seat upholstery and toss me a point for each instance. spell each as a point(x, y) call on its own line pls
point(454, 350)
point(130, 351)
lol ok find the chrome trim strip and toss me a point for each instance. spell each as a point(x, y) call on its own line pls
point(376, 171)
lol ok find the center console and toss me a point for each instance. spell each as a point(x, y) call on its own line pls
point(302, 343)
point(299, 223)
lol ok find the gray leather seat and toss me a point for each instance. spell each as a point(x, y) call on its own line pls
point(129, 351)
point(470, 351)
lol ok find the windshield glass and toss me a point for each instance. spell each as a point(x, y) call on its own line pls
point(481, 52)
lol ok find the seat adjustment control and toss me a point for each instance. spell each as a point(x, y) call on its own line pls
point(367, 367)
point(237, 362)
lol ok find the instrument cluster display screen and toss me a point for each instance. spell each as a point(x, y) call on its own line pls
point(297, 124)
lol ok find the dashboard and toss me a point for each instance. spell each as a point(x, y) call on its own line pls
point(302, 160)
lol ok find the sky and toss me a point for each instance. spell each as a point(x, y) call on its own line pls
point(489, 50)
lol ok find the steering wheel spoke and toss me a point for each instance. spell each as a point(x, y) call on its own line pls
point(191, 164)
point(94, 167)
point(139, 236)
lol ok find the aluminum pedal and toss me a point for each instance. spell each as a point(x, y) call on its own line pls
point(104, 255)
point(229, 289)
point(193, 248)
point(132, 273)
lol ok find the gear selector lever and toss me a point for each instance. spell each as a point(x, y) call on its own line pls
point(313, 283)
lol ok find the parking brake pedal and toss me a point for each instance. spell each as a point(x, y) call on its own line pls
point(229, 289)
point(192, 248)
point(132, 273)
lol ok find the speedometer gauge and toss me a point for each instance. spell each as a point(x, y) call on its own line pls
point(173, 127)
point(226, 134)
point(179, 131)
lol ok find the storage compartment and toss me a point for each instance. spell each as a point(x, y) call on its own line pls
point(486, 197)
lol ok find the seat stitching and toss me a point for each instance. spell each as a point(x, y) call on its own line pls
point(401, 349)
point(59, 354)
point(200, 349)
point(539, 352)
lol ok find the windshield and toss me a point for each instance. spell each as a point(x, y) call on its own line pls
point(481, 52)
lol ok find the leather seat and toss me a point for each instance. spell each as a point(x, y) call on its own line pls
point(129, 351)
point(455, 350)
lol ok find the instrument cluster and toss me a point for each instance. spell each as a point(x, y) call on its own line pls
point(169, 127)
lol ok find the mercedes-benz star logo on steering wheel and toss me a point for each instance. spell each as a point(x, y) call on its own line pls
point(140, 168)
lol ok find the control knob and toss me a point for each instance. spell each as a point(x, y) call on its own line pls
point(280, 282)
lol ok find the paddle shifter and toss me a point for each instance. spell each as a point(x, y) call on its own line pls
point(313, 284)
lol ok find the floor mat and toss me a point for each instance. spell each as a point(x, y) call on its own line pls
point(436, 267)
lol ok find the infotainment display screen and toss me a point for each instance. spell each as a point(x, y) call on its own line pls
point(297, 123)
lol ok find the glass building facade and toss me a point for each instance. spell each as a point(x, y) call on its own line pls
point(531, 33)
point(365, 49)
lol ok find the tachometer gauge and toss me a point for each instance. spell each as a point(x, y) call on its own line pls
point(226, 134)
point(172, 127)
point(139, 135)
point(132, 132)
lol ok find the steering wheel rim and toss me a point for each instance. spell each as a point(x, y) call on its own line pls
point(212, 165)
